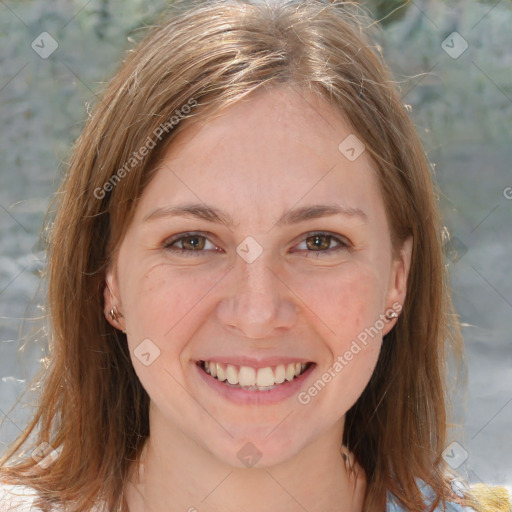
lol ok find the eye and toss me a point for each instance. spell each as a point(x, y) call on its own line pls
point(188, 243)
point(196, 243)
point(322, 243)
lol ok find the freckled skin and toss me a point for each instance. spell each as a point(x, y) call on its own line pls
point(267, 154)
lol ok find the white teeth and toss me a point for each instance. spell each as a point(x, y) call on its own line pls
point(220, 373)
point(263, 379)
point(247, 376)
point(280, 374)
point(232, 374)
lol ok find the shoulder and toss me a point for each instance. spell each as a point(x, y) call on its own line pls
point(493, 499)
point(17, 498)
point(490, 493)
point(22, 498)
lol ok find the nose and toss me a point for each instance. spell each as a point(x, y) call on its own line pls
point(257, 303)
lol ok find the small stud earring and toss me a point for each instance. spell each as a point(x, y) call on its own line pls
point(114, 313)
point(391, 315)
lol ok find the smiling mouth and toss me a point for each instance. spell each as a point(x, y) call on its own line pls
point(254, 379)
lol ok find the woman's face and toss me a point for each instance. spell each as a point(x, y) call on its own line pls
point(236, 257)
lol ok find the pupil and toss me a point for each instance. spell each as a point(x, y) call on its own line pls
point(194, 242)
point(321, 241)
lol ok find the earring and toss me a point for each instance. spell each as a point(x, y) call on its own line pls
point(114, 313)
point(391, 315)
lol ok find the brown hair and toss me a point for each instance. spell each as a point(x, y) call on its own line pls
point(93, 408)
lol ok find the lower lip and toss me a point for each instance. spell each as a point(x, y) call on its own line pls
point(242, 396)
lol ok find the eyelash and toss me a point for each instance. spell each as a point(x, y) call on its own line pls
point(168, 244)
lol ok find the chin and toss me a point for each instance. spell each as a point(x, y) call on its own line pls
point(257, 450)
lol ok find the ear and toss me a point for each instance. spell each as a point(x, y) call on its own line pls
point(112, 303)
point(397, 286)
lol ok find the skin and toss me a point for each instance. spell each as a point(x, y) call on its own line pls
point(275, 150)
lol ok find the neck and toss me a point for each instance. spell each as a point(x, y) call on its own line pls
point(177, 474)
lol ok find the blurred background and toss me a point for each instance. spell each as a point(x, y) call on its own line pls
point(453, 61)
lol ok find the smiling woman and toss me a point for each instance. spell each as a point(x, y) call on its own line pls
point(262, 290)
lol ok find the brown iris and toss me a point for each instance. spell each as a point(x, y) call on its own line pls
point(321, 242)
point(196, 244)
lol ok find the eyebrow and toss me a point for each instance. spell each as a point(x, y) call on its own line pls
point(293, 216)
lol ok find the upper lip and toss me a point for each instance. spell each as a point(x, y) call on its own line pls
point(253, 362)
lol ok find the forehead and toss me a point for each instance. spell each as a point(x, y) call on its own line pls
point(268, 152)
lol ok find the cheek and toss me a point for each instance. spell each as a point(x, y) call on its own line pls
point(343, 301)
point(160, 298)
point(345, 305)
point(163, 305)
